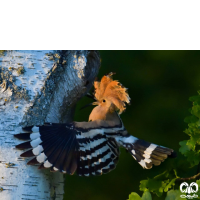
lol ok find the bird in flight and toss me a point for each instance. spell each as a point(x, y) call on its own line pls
point(90, 148)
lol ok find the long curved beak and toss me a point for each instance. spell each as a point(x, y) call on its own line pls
point(90, 96)
point(90, 104)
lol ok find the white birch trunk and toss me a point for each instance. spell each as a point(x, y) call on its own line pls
point(38, 87)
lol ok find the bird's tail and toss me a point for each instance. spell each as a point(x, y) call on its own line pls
point(148, 154)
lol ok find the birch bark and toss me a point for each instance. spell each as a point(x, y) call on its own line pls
point(38, 87)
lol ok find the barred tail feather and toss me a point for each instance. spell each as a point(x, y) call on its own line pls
point(148, 154)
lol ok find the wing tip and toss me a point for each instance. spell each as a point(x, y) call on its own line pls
point(27, 154)
point(33, 162)
point(25, 145)
point(22, 136)
point(173, 154)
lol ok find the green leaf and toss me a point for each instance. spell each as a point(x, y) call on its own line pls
point(198, 193)
point(196, 110)
point(191, 119)
point(191, 143)
point(146, 195)
point(143, 185)
point(195, 99)
point(171, 183)
point(198, 182)
point(184, 148)
point(152, 185)
point(134, 196)
point(174, 195)
point(193, 157)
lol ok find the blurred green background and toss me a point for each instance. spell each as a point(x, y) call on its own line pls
point(160, 84)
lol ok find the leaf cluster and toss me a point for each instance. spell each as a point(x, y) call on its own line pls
point(160, 183)
point(191, 148)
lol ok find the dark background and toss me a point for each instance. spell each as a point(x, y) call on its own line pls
point(160, 84)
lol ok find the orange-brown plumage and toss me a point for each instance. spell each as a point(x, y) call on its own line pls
point(112, 91)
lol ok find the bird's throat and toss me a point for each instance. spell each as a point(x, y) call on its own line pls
point(103, 113)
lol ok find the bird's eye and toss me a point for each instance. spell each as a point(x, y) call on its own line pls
point(104, 100)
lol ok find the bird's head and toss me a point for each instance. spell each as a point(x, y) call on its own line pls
point(110, 96)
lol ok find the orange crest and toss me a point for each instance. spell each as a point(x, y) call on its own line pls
point(113, 91)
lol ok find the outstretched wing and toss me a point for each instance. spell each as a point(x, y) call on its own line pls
point(67, 148)
point(52, 146)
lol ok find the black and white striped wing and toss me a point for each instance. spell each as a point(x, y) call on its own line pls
point(97, 153)
point(52, 146)
point(67, 149)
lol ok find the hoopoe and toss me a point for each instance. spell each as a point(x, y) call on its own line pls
point(90, 148)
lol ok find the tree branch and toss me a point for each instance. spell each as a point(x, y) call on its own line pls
point(189, 178)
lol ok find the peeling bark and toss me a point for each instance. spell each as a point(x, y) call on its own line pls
point(38, 87)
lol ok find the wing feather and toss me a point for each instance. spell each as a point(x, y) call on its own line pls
point(67, 148)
